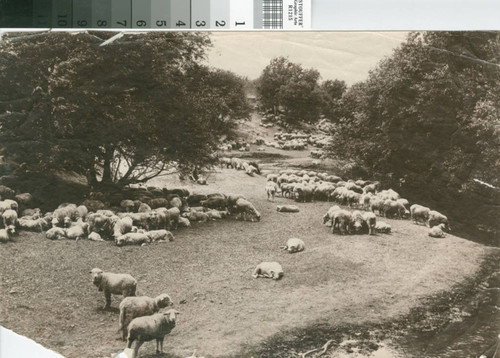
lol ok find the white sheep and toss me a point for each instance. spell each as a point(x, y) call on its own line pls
point(437, 231)
point(30, 224)
point(147, 328)
point(122, 226)
point(160, 236)
point(268, 270)
point(9, 218)
point(245, 209)
point(294, 245)
point(132, 307)
point(271, 189)
point(93, 236)
point(382, 227)
point(55, 233)
point(77, 230)
point(184, 222)
point(287, 208)
point(5, 234)
point(132, 238)
point(113, 283)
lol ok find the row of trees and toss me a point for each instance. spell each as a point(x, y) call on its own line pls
point(288, 87)
point(119, 112)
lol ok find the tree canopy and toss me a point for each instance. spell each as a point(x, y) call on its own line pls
point(120, 111)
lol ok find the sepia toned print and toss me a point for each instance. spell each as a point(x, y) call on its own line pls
point(191, 194)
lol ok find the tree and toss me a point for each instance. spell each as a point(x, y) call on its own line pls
point(124, 112)
point(331, 95)
point(287, 86)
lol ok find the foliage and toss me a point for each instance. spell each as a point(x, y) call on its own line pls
point(428, 116)
point(331, 95)
point(287, 86)
point(119, 113)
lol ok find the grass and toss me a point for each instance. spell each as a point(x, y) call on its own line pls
point(47, 295)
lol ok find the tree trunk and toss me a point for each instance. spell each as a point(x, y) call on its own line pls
point(106, 172)
point(92, 177)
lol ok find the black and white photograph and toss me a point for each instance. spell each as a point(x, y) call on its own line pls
point(251, 194)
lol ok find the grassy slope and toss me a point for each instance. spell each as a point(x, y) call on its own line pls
point(47, 295)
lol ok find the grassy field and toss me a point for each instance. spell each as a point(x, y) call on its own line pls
point(46, 292)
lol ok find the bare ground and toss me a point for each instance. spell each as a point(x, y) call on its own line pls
point(46, 293)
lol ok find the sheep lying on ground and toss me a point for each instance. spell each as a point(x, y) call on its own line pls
point(93, 236)
point(32, 214)
point(77, 231)
point(437, 231)
point(113, 283)
point(159, 236)
point(268, 270)
point(382, 227)
point(5, 234)
point(132, 238)
point(294, 245)
point(55, 233)
point(147, 328)
point(132, 307)
point(287, 208)
point(184, 222)
point(28, 224)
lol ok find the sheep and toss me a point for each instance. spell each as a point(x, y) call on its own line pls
point(24, 199)
point(64, 214)
point(436, 218)
point(394, 208)
point(158, 203)
point(6, 192)
point(100, 224)
point(184, 222)
point(82, 212)
point(9, 218)
point(127, 205)
point(144, 208)
point(330, 213)
point(359, 222)
point(5, 234)
point(287, 208)
point(215, 214)
point(303, 193)
point(174, 214)
point(55, 233)
point(32, 214)
point(382, 227)
point(219, 203)
point(196, 216)
point(8, 204)
point(268, 270)
point(342, 220)
point(271, 189)
point(371, 221)
point(245, 209)
point(29, 224)
point(93, 205)
point(437, 231)
point(113, 283)
point(294, 245)
point(77, 231)
point(132, 307)
point(160, 236)
point(122, 226)
point(147, 328)
point(272, 177)
point(419, 213)
point(93, 236)
point(132, 238)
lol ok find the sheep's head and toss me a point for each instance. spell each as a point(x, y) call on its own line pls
point(96, 276)
point(171, 314)
point(170, 236)
point(55, 222)
point(276, 275)
point(11, 229)
point(164, 300)
point(326, 217)
point(67, 221)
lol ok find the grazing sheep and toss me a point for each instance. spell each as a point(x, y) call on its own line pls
point(160, 236)
point(359, 224)
point(371, 221)
point(9, 218)
point(113, 283)
point(436, 218)
point(342, 220)
point(287, 208)
point(393, 208)
point(245, 209)
point(294, 245)
point(55, 233)
point(5, 234)
point(132, 238)
point(271, 189)
point(437, 231)
point(268, 270)
point(147, 328)
point(419, 213)
point(132, 307)
point(93, 236)
point(382, 227)
point(327, 218)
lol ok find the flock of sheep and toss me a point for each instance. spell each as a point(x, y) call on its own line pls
point(362, 195)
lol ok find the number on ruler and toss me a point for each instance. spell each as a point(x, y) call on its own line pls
point(236, 23)
point(220, 23)
point(62, 21)
point(161, 23)
point(101, 23)
point(141, 23)
point(180, 23)
point(122, 23)
point(200, 23)
point(82, 23)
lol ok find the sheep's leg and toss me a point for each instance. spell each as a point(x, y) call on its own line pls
point(107, 296)
point(159, 342)
point(138, 345)
point(129, 342)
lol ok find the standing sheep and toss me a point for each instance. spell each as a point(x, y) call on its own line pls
point(5, 234)
point(147, 328)
point(132, 307)
point(436, 218)
point(113, 283)
point(9, 218)
point(419, 213)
